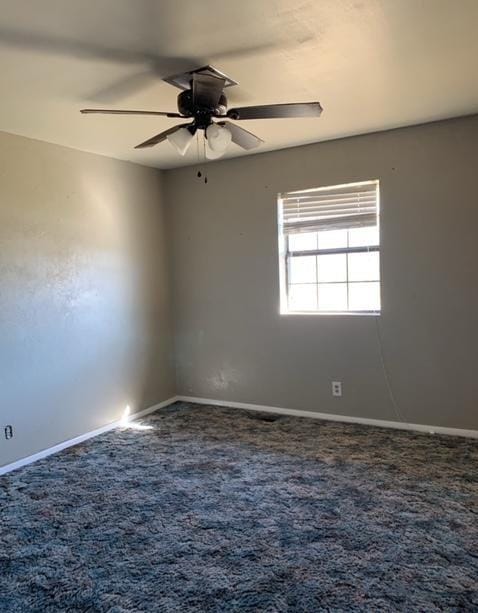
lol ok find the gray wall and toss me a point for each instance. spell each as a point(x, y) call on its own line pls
point(85, 321)
point(88, 247)
point(231, 342)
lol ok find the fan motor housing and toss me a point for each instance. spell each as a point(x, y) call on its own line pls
point(187, 108)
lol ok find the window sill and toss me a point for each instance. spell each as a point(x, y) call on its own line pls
point(334, 313)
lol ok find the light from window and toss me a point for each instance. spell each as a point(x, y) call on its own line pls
point(329, 249)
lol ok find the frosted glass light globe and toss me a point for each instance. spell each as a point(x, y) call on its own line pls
point(218, 137)
point(181, 140)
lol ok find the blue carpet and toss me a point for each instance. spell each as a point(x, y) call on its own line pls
point(216, 510)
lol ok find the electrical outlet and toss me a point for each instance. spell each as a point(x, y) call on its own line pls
point(8, 430)
point(336, 388)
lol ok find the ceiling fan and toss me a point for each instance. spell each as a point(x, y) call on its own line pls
point(203, 101)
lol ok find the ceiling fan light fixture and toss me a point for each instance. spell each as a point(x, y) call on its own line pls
point(202, 100)
point(181, 140)
point(213, 155)
point(218, 138)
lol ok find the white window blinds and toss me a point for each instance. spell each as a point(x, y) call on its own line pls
point(329, 208)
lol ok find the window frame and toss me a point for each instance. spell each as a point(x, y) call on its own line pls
point(285, 254)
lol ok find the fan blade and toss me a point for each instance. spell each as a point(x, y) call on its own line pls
point(276, 111)
point(120, 112)
point(207, 90)
point(159, 138)
point(242, 137)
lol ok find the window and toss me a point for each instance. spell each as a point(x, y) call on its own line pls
point(329, 249)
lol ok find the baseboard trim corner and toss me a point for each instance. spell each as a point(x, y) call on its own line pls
point(6, 468)
point(332, 417)
point(238, 405)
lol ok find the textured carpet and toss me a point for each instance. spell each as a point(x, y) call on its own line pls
point(220, 510)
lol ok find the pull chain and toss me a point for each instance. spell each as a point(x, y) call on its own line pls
point(197, 151)
point(199, 173)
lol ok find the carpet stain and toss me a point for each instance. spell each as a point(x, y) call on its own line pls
point(216, 510)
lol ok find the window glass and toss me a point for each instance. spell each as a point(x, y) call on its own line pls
point(364, 266)
point(302, 269)
point(332, 267)
point(332, 296)
point(303, 297)
point(364, 296)
point(303, 242)
point(363, 237)
point(332, 239)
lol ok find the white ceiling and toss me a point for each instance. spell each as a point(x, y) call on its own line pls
point(373, 64)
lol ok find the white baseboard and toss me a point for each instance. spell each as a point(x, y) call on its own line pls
point(331, 417)
point(83, 437)
point(238, 405)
